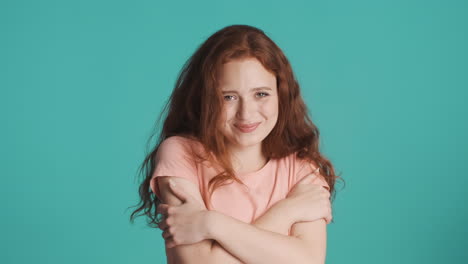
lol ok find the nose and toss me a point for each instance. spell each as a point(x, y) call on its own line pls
point(245, 110)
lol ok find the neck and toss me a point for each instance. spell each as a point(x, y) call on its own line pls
point(247, 159)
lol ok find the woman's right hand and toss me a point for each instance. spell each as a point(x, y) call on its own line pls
point(308, 201)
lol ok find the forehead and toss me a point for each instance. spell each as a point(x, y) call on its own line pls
point(244, 74)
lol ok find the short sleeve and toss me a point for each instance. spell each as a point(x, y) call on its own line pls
point(305, 168)
point(174, 159)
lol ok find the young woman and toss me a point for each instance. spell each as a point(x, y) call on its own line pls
point(237, 174)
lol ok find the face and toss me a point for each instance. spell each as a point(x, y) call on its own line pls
point(250, 102)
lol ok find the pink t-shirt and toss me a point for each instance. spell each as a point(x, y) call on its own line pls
point(266, 186)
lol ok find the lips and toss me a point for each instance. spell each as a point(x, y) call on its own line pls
point(246, 128)
point(247, 125)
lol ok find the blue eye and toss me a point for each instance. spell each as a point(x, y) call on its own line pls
point(229, 97)
point(262, 94)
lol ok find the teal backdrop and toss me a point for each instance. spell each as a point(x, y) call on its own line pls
point(82, 83)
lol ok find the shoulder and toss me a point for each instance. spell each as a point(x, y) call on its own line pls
point(174, 158)
point(176, 152)
point(177, 146)
point(304, 167)
point(176, 142)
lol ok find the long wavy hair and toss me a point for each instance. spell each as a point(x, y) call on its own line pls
point(195, 109)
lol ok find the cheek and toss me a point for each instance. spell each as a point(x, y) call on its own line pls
point(228, 114)
point(270, 108)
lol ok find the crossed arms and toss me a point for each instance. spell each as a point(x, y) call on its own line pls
point(266, 240)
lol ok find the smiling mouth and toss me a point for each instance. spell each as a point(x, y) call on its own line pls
point(248, 127)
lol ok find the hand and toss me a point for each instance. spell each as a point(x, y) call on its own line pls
point(185, 223)
point(309, 201)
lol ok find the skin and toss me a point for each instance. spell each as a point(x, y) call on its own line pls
point(250, 96)
point(189, 229)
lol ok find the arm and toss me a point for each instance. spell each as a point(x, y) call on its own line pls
point(256, 237)
point(254, 245)
point(310, 202)
point(314, 235)
point(271, 220)
point(192, 253)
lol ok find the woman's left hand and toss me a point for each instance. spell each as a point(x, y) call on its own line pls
point(185, 223)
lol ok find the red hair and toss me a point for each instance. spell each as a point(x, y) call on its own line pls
point(195, 108)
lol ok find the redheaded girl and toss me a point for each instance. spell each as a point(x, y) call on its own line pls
point(237, 175)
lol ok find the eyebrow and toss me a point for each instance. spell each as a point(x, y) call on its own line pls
point(253, 89)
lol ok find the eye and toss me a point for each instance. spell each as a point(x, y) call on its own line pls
point(262, 94)
point(229, 97)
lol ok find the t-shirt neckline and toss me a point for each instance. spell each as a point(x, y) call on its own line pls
point(244, 175)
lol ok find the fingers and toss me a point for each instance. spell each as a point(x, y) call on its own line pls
point(163, 225)
point(328, 218)
point(170, 243)
point(330, 214)
point(168, 239)
point(166, 234)
point(328, 211)
point(162, 209)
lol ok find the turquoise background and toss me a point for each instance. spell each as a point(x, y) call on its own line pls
point(82, 83)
